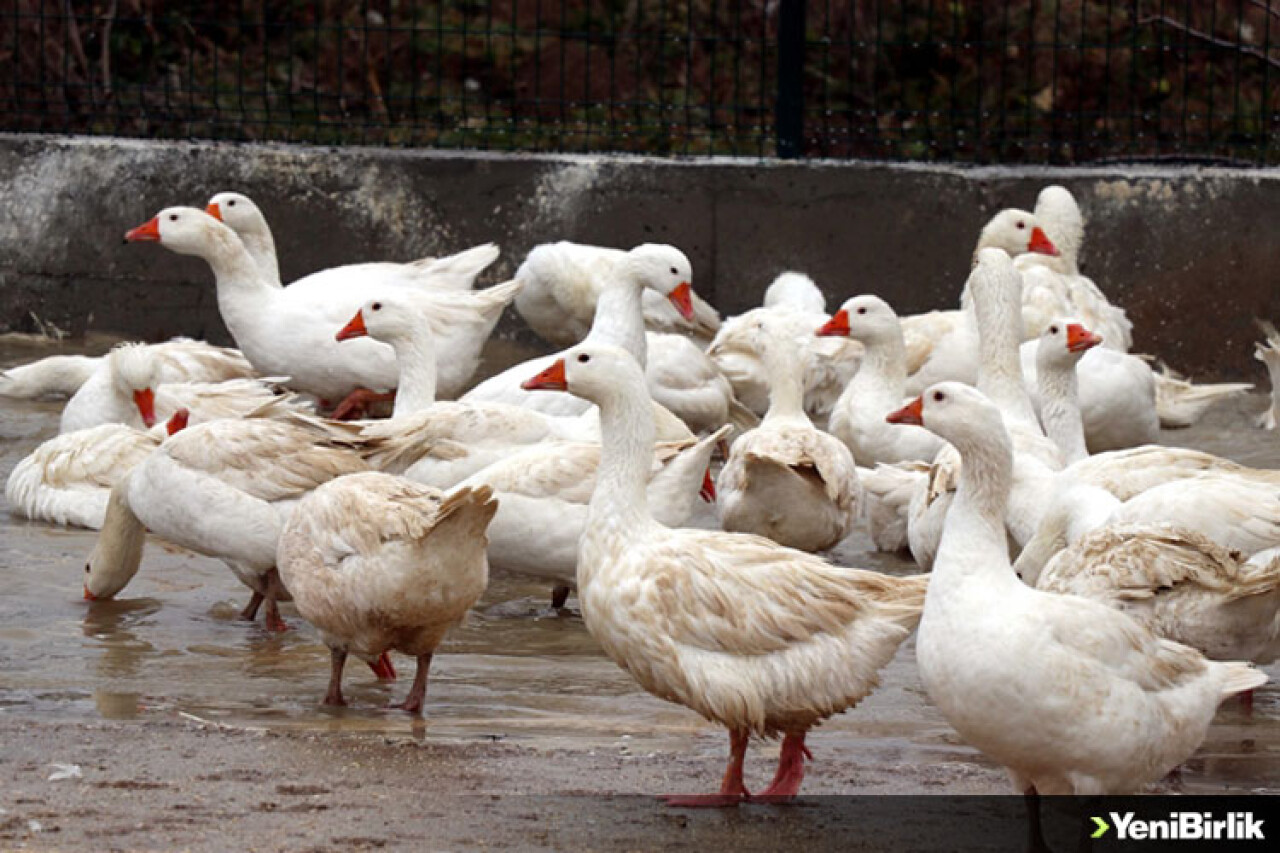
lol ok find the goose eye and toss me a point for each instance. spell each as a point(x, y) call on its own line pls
point(231, 203)
point(377, 306)
point(938, 396)
point(584, 358)
point(1053, 330)
point(674, 271)
point(86, 568)
point(1021, 224)
point(173, 217)
point(862, 310)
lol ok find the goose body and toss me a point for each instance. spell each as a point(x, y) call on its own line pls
point(377, 563)
point(1069, 695)
point(785, 479)
point(223, 489)
point(290, 331)
point(761, 638)
point(563, 282)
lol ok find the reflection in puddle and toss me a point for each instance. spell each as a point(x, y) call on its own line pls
point(514, 671)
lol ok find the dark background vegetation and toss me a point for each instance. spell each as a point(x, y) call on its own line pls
point(999, 81)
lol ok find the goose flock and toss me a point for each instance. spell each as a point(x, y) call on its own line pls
point(1088, 596)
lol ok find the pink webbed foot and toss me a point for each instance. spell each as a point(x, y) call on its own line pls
point(356, 404)
point(790, 774)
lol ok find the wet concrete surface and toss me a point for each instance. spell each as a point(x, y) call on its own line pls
point(193, 729)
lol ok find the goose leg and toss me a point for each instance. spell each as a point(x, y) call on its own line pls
point(786, 782)
point(559, 595)
point(272, 619)
point(337, 659)
point(418, 691)
point(732, 789)
point(384, 668)
point(250, 611)
point(1035, 837)
point(356, 404)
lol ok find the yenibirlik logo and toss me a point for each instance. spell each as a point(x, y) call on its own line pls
point(1182, 826)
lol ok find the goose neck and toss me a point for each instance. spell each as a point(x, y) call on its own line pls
point(786, 381)
point(974, 543)
point(1060, 411)
point(620, 501)
point(416, 360)
point(884, 369)
point(262, 248)
point(619, 319)
point(998, 312)
point(118, 552)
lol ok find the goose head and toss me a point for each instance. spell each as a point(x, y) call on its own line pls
point(239, 213)
point(663, 268)
point(1017, 232)
point(1063, 343)
point(956, 412)
point(387, 318)
point(185, 230)
point(592, 371)
point(1060, 216)
point(135, 373)
point(867, 319)
point(797, 291)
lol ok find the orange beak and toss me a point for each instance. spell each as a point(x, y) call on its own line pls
point(178, 421)
point(145, 400)
point(147, 232)
point(214, 210)
point(911, 413)
point(1080, 339)
point(682, 298)
point(1041, 244)
point(354, 329)
point(551, 379)
point(708, 490)
point(88, 596)
point(837, 326)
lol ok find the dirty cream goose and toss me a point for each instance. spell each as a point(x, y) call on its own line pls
point(68, 479)
point(440, 443)
point(456, 272)
point(130, 387)
point(223, 489)
point(563, 283)
point(763, 639)
point(289, 331)
point(182, 359)
point(786, 480)
point(1268, 352)
point(879, 387)
point(378, 563)
point(829, 363)
point(1068, 694)
point(1178, 583)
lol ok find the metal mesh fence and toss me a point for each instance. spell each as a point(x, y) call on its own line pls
point(998, 81)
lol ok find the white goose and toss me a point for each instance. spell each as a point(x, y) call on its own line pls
point(182, 360)
point(564, 281)
point(68, 479)
point(376, 562)
point(131, 387)
point(456, 272)
point(761, 638)
point(289, 331)
point(223, 489)
point(943, 344)
point(1058, 352)
point(1069, 695)
point(1179, 584)
point(1268, 352)
point(785, 479)
point(829, 363)
point(879, 387)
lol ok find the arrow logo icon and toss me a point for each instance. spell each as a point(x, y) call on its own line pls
point(1102, 825)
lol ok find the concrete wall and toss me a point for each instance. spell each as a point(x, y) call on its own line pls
point(1192, 253)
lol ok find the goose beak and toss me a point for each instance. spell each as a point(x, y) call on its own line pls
point(1080, 339)
point(1041, 244)
point(178, 421)
point(708, 490)
point(837, 326)
point(911, 413)
point(147, 232)
point(88, 596)
point(353, 329)
point(551, 379)
point(145, 400)
point(214, 210)
point(682, 298)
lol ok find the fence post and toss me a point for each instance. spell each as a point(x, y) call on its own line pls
point(789, 110)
